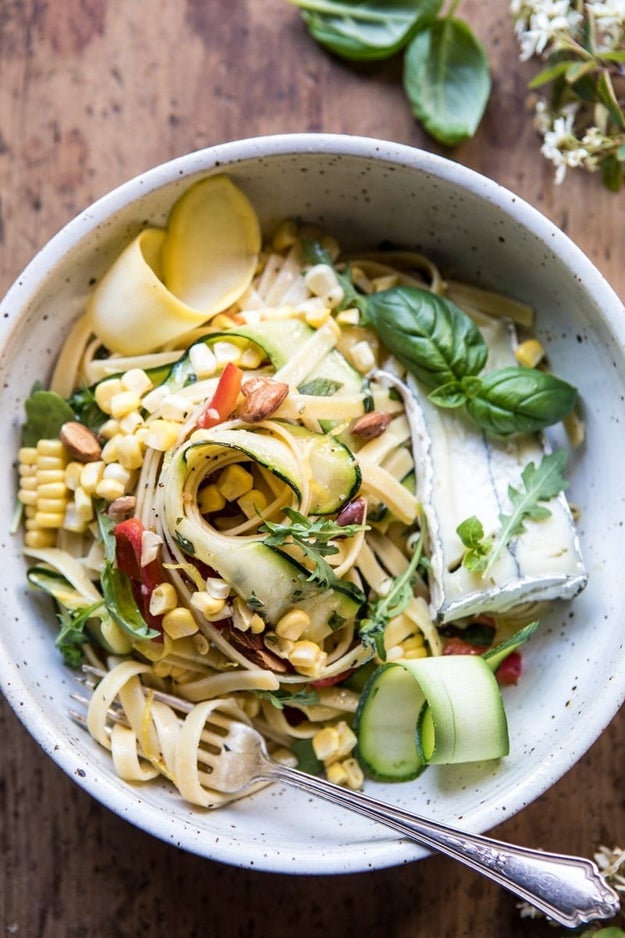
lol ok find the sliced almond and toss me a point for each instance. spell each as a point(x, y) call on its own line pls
point(80, 442)
point(371, 425)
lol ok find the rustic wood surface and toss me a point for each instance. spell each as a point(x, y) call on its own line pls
point(91, 93)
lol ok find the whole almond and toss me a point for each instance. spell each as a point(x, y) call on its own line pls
point(370, 425)
point(80, 442)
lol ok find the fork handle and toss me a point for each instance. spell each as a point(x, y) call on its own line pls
point(568, 889)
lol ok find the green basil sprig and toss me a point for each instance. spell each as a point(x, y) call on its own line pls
point(441, 346)
point(446, 73)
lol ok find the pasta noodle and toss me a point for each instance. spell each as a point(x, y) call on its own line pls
point(270, 636)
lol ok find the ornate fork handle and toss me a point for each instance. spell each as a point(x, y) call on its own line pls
point(568, 889)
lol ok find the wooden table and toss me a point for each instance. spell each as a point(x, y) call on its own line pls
point(91, 93)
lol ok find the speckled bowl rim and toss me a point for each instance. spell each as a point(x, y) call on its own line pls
point(345, 857)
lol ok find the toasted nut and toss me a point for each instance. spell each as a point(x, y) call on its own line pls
point(80, 442)
point(353, 512)
point(370, 425)
point(263, 396)
point(122, 508)
point(251, 644)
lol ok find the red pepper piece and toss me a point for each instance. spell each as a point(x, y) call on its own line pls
point(224, 399)
point(144, 579)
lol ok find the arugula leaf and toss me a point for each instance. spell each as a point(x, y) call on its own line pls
point(313, 537)
point(428, 334)
point(307, 761)
point(85, 408)
point(319, 387)
point(447, 80)
point(71, 635)
point(387, 607)
point(307, 697)
point(365, 30)
point(540, 484)
point(46, 412)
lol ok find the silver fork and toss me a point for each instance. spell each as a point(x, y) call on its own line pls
point(569, 889)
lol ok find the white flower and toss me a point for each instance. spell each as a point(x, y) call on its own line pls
point(540, 23)
point(609, 18)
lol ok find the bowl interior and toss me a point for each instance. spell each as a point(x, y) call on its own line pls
point(366, 192)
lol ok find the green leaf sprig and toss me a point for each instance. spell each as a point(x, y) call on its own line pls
point(446, 75)
point(393, 603)
point(314, 537)
point(540, 484)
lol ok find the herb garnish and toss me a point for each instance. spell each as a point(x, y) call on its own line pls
point(540, 484)
point(307, 697)
point(390, 605)
point(117, 588)
point(313, 536)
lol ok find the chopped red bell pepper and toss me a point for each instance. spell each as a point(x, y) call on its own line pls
point(224, 400)
point(144, 579)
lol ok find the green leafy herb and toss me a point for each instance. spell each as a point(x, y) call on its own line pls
point(365, 29)
point(307, 761)
point(314, 537)
point(386, 607)
point(119, 599)
point(46, 412)
point(71, 634)
point(540, 484)
point(520, 400)
point(85, 408)
point(447, 80)
point(320, 387)
point(307, 697)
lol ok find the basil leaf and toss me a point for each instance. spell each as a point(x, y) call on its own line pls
point(365, 30)
point(319, 387)
point(121, 604)
point(429, 335)
point(447, 80)
point(520, 400)
point(46, 412)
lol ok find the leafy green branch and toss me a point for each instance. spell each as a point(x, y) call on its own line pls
point(446, 74)
point(540, 484)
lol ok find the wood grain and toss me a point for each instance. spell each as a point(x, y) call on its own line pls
point(91, 93)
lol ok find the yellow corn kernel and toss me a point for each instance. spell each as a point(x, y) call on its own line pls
point(179, 622)
point(162, 435)
point(27, 455)
point(39, 538)
point(285, 236)
point(281, 647)
point(111, 449)
point(225, 352)
point(136, 379)
point(251, 706)
point(109, 429)
point(355, 776)
point(529, 353)
point(252, 357)
point(73, 471)
point(153, 399)
point(29, 481)
point(325, 744)
point(116, 471)
point(52, 448)
point(362, 357)
point(27, 496)
point(348, 317)
point(346, 738)
point(91, 476)
point(307, 656)
point(163, 599)
point(217, 587)
point(202, 360)
point(210, 499)
point(201, 643)
point(51, 505)
point(131, 422)
point(123, 403)
point(175, 407)
point(293, 624)
point(257, 625)
point(45, 519)
point(129, 453)
point(252, 503)
point(207, 604)
point(52, 490)
point(83, 504)
point(234, 482)
point(71, 521)
point(336, 773)
point(412, 653)
point(43, 476)
point(414, 643)
point(317, 315)
point(49, 463)
point(109, 489)
point(105, 391)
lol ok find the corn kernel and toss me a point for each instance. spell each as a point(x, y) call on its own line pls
point(316, 316)
point(346, 738)
point(53, 448)
point(225, 352)
point(307, 655)
point(202, 360)
point(44, 519)
point(109, 489)
point(355, 777)
point(49, 463)
point(27, 455)
point(348, 317)
point(257, 625)
point(52, 490)
point(293, 624)
point(412, 653)
point(163, 599)
point(162, 435)
point(27, 496)
point(111, 449)
point(210, 499)
point(206, 604)
point(83, 503)
point(252, 357)
point(105, 391)
point(116, 471)
point(175, 407)
point(30, 481)
point(201, 643)
point(73, 472)
point(234, 481)
point(129, 453)
point(252, 503)
point(72, 521)
point(51, 505)
point(91, 476)
point(130, 422)
point(282, 647)
point(135, 379)
point(109, 429)
point(43, 476)
point(39, 538)
point(285, 236)
point(123, 403)
point(337, 774)
point(362, 357)
point(325, 743)
point(217, 588)
point(153, 400)
point(529, 353)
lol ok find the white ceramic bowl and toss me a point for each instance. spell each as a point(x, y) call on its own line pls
point(365, 191)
